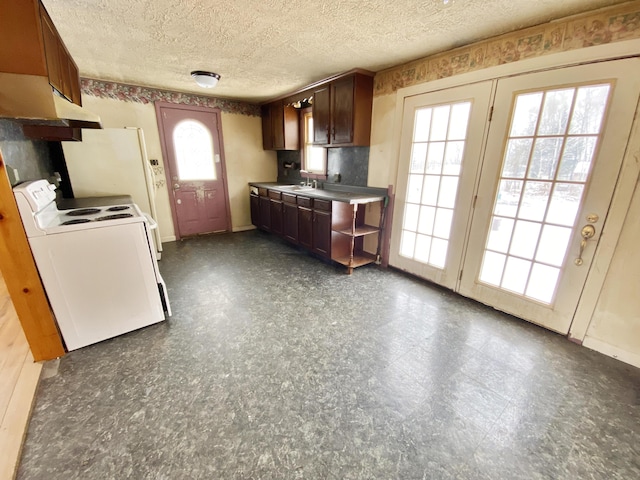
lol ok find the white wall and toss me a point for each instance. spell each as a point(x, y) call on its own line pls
point(245, 159)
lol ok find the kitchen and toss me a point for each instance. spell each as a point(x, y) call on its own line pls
point(247, 162)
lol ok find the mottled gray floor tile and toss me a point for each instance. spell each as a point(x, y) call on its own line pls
point(276, 365)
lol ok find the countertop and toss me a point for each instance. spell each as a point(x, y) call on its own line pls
point(336, 193)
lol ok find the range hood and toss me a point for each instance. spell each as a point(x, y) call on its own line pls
point(31, 100)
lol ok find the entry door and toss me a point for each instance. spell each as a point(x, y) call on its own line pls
point(441, 147)
point(196, 173)
point(553, 155)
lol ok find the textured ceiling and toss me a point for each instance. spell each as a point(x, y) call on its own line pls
point(264, 48)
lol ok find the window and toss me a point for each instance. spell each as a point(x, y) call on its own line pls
point(314, 158)
point(194, 151)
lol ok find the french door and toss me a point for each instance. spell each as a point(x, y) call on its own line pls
point(442, 139)
point(546, 178)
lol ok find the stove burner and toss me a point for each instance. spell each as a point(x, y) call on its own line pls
point(83, 211)
point(75, 221)
point(115, 216)
point(118, 208)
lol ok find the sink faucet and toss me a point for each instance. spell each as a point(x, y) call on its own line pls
point(315, 184)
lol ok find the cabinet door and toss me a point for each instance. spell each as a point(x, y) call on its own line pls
point(255, 210)
point(290, 220)
point(265, 213)
point(52, 49)
point(321, 115)
point(322, 233)
point(267, 130)
point(277, 125)
point(342, 99)
point(305, 227)
point(74, 78)
point(276, 216)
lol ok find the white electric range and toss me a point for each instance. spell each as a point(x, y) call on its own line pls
point(98, 265)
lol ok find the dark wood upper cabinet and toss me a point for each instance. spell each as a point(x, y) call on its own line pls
point(280, 127)
point(342, 111)
point(322, 115)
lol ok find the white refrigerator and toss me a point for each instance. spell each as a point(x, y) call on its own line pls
point(113, 161)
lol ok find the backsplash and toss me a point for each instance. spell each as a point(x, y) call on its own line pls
point(345, 166)
point(32, 158)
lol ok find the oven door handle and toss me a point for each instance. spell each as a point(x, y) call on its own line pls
point(150, 221)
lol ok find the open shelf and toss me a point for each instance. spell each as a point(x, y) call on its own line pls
point(361, 231)
point(359, 259)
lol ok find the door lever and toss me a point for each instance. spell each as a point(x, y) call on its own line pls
point(587, 232)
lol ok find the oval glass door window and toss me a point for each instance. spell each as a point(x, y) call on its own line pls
point(195, 156)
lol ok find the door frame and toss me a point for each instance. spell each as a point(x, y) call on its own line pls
point(165, 158)
point(627, 177)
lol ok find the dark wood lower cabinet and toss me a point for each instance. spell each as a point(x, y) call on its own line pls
point(305, 227)
point(276, 216)
point(254, 201)
point(265, 214)
point(332, 229)
point(322, 233)
point(290, 222)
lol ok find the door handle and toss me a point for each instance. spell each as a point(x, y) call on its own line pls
point(176, 186)
point(587, 232)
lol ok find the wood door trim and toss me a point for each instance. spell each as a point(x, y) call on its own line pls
point(165, 158)
point(22, 279)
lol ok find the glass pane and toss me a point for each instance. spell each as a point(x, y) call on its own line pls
point(448, 190)
point(427, 217)
point(414, 188)
point(589, 110)
point(508, 198)
point(407, 244)
point(442, 226)
point(434, 158)
point(525, 239)
point(576, 159)
point(565, 203)
point(423, 125)
point(542, 284)
point(423, 247)
point(516, 273)
point(553, 245)
point(418, 157)
point(525, 115)
point(193, 146)
point(411, 217)
point(492, 266)
point(500, 234)
point(517, 158)
point(438, 255)
point(544, 160)
point(453, 158)
point(534, 200)
point(430, 190)
point(459, 120)
point(440, 123)
point(555, 113)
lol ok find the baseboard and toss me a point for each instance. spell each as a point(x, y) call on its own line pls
point(170, 238)
point(612, 351)
point(243, 229)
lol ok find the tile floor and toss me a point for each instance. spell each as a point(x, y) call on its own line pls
point(276, 365)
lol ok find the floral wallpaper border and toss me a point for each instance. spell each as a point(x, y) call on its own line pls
point(603, 26)
point(138, 94)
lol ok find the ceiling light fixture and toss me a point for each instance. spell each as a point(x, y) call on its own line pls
point(205, 79)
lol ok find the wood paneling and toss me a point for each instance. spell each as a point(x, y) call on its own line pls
point(22, 279)
point(19, 377)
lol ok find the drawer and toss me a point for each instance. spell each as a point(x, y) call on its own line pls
point(275, 195)
point(322, 205)
point(289, 198)
point(262, 192)
point(305, 201)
